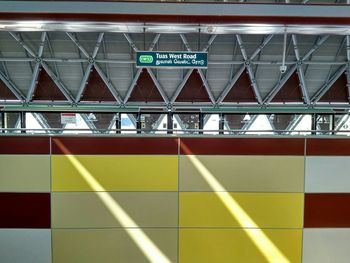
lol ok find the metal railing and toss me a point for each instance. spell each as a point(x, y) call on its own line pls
point(116, 132)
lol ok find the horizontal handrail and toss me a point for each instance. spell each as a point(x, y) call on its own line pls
point(56, 131)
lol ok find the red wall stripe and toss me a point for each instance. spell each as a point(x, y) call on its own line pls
point(328, 147)
point(327, 210)
point(103, 145)
point(25, 210)
point(24, 145)
point(242, 146)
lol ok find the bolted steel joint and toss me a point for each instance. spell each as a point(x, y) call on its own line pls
point(247, 63)
point(169, 107)
point(299, 62)
point(91, 60)
point(38, 60)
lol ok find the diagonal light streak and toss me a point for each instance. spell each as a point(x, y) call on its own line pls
point(269, 250)
point(144, 243)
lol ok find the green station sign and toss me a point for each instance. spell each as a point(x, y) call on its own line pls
point(153, 59)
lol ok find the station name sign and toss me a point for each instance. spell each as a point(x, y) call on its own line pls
point(153, 59)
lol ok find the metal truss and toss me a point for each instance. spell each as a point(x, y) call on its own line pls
point(41, 62)
point(205, 82)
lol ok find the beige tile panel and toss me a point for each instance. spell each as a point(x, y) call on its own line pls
point(24, 173)
point(243, 173)
point(326, 245)
point(111, 246)
point(88, 210)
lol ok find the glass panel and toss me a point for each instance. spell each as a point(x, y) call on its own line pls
point(100, 121)
point(233, 123)
point(35, 122)
point(53, 120)
point(153, 121)
point(281, 122)
point(302, 124)
point(324, 123)
point(342, 124)
point(80, 124)
point(261, 124)
point(211, 123)
point(128, 122)
point(12, 120)
point(186, 122)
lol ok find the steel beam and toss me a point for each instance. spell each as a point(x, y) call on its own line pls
point(328, 84)
point(261, 47)
point(160, 89)
point(230, 85)
point(348, 65)
point(318, 43)
point(84, 82)
point(249, 69)
point(58, 82)
point(131, 42)
point(182, 84)
point(11, 86)
point(33, 82)
point(300, 71)
point(19, 40)
point(77, 43)
point(97, 46)
point(108, 83)
point(139, 71)
point(279, 85)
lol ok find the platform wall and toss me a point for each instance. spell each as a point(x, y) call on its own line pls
point(169, 199)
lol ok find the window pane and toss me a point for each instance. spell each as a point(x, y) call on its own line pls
point(12, 120)
point(324, 123)
point(342, 124)
point(186, 122)
point(150, 122)
point(128, 122)
point(81, 124)
point(35, 123)
point(211, 123)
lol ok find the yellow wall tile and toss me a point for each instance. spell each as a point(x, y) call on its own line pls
point(245, 173)
point(109, 245)
point(235, 245)
point(86, 209)
point(115, 173)
point(267, 210)
point(25, 173)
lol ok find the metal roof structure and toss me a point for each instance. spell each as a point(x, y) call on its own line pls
point(58, 61)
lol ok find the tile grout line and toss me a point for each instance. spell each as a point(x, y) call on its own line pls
point(51, 229)
point(303, 218)
point(178, 199)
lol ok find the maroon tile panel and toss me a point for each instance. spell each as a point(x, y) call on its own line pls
point(327, 210)
point(242, 146)
point(24, 145)
point(104, 145)
point(328, 146)
point(25, 210)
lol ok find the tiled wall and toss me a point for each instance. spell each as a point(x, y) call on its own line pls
point(186, 200)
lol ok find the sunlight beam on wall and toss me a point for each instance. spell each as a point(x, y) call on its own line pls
point(258, 237)
point(144, 243)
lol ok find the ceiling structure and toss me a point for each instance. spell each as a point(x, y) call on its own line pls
point(60, 62)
